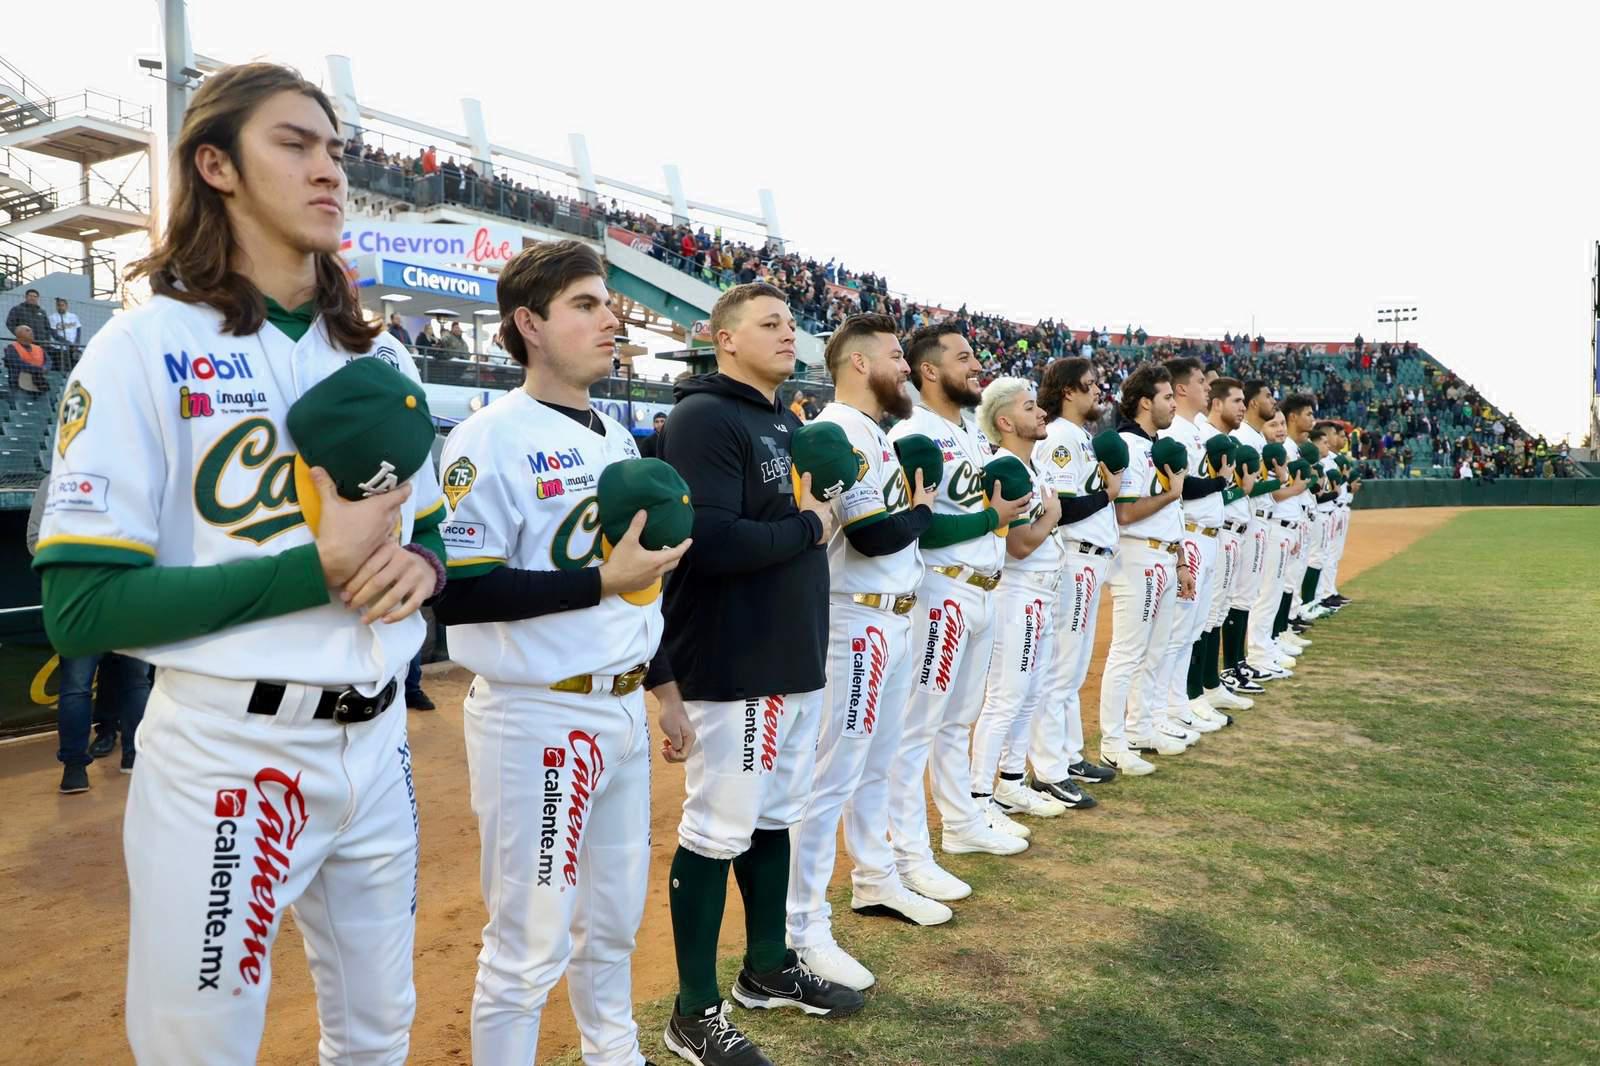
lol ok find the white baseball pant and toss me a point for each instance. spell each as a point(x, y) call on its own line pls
point(869, 681)
point(954, 625)
point(1230, 552)
point(1057, 734)
point(1024, 623)
point(561, 787)
point(1252, 563)
point(1300, 560)
point(234, 818)
point(1328, 584)
point(1274, 583)
point(1188, 621)
point(752, 767)
point(1144, 585)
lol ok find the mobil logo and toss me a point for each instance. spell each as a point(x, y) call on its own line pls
point(559, 459)
point(227, 366)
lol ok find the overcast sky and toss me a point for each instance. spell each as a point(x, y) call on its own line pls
point(1191, 168)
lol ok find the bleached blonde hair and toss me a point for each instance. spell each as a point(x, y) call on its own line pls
point(998, 397)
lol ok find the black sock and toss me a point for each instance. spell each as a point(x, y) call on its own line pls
point(699, 888)
point(1010, 777)
point(1308, 587)
point(1234, 630)
point(763, 876)
point(1196, 666)
point(1281, 623)
point(1210, 676)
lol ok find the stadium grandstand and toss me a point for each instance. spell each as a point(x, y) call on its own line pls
point(1410, 416)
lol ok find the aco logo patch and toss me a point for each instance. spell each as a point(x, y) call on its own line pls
point(458, 479)
point(74, 415)
point(1061, 456)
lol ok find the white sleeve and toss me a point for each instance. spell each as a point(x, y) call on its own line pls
point(484, 524)
point(864, 500)
point(1054, 462)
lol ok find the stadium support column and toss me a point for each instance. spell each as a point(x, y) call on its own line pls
point(580, 160)
point(342, 83)
point(179, 58)
point(477, 135)
point(680, 206)
point(769, 212)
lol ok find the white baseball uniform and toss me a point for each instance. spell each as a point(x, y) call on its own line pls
point(1144, 587)
point(1253, 545)
point(173, 450)
point(1328, 585)
point(864, 702)
point(560, 779)
point(1024, 644)
point(1277, 571)
point(1200, 550)
point(954, 629)
point(1088, 549)
point(1230, 541)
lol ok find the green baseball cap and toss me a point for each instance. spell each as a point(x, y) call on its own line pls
point(367, 425)
point(1274, 454)
point(1219, 448)
point(822, 450)
point(1169, 451)
point(1335, 476)
point(917, 452)
point(1342, 459)
point(1298, 468)
point(632, 485)
point(1015, 481)
point(1112, 450)
point(1310, 453)
point(1246, 457)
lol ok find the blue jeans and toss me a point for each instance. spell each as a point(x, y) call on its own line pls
point(127, 684)
point(414, 675)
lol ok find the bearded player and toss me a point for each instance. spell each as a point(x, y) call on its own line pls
point(873, 572)
point(550, 732)
point(1223, 416)
point(274, 772)
point(954, 624)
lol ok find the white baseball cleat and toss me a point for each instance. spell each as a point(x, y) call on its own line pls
point(1169, 728)
point(1223, 700)
point(934, 882)
point(1269, 671)
point(981, 839)
point(1203, 711)
point(1291, 643)
point(1016, 798)
point(908, 906)
point(1159, 743)
point(1191, 720)
point(1127, 762)
point(1001, 822)
point(833, 963)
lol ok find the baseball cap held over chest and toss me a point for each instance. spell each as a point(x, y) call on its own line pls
point(1015, 482)
point(822, 450)
point(632, 485)
point(367, 425)
point(1219, 449)
point(1112, 450)
point(917, 452)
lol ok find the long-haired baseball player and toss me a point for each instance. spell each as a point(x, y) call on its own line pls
point(559, 627)
point(274, 772)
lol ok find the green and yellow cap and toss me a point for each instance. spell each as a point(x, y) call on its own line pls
point(1274, 454)
point(1310, 453)
point(822, 450)
point(632, 485)
point(1246, 457)
point(1219, 448)
point(1112, 450)
point(917, 452)
point(1169, 451)
point(367, 425)
point(1015, 481)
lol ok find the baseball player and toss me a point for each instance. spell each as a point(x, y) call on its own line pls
point(1299, 412)
point(1325, 435)
point(1260, 407)
point(1349, 485)
point(873, 572)
point(953, 626)
point(1224, 415)
point(273, 770)
point(1151, 572)
point(1177, 678)
point(558, 750)
point(746, 642)
point(1266, 659)
point(1024, 610)
point(1070, 393)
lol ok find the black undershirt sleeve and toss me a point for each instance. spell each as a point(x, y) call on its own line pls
point(506, 594)
point(889, 535)
point(1196, 487)
point(1077, 508)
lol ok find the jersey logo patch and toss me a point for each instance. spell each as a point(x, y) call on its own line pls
point(1061, 456)
point(252, 446)
point(74, 415)
point(458, 479)
point(862, 466)
point(193, 404)
point(463, 534)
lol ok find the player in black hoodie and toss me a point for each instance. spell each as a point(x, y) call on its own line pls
point(745, 647)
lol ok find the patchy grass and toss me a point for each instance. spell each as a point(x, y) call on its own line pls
point(1392, 859)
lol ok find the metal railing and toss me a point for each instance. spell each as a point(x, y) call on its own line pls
point(30, 88)
point(99, 193)
point(529, 206)
point(32, 263)
point(12, 166)
point(90, 103)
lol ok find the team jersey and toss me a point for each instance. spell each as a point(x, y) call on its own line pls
point(521, 477)
point(1328, 465)
point(1067, 454)
point(1046, 558)
point(961, 489)
point(881, 490)
point(1260, 506)
point(1141, 479)
point(1206, 510)
point(1236, 508)
point(172, 448)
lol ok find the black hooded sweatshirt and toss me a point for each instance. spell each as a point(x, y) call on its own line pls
point(747, 609)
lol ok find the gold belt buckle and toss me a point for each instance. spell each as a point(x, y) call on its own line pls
point(984, 581)
point(867, 599)
point(903, 604)
point(626, 683)
point(582, 684)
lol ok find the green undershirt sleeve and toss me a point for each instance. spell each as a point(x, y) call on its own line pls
point(948, 529)
point(1264, 486)
point(90, 609)
point(425, 533)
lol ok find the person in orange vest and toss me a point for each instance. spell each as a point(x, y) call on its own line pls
point(25, 362)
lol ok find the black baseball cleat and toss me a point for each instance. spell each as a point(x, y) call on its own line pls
point(1090, 773)
point(795, 986)
point(1333, 603)
point(74, 778)
point(1299, 625)
point(105, 742)
point(711, 1039)
point(1238, 683)
point(1066, 792)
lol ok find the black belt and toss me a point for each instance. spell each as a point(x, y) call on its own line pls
point(1235, 527)
point(342, 705)
point(1084, 548)
point(1286, 524)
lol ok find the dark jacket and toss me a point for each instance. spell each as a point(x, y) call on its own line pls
point(36, 318)
point(747, 609)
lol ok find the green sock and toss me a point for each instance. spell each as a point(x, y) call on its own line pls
point(1211, 676)
point(1196, 665)
point(1308, 587)
point(699, 888)
point(763, 876)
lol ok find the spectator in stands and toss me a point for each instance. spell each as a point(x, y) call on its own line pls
point(25, 362)
point(427, 341)
point(29, 313)
point(66, 332)
point(398, 329)
point(797, 406)
point(648, 446)
point(453, 343)
point(1464, 472)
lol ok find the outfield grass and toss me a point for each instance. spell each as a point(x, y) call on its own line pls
point(1392, 859)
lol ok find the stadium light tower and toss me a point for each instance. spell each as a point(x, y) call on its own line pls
point(1396, 315)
